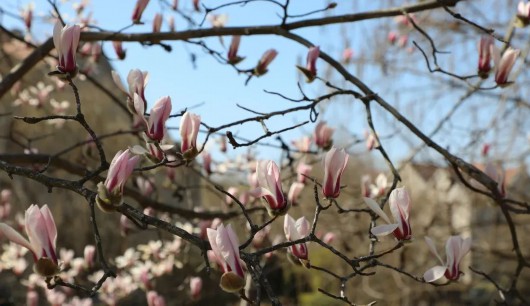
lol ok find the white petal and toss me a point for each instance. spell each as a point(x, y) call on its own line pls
point(14, 236)
point(383, 230)
point(434, 273)
point(375, 208)
point(432, 248)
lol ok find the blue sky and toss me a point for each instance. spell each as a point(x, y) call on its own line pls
point(405, 81)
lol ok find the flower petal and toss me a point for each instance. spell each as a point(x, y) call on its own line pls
point(383, 230)
point(376, 209)
point(434, 273)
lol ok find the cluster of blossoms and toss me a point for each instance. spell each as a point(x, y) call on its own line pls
point(503, 64)
point(158, 260)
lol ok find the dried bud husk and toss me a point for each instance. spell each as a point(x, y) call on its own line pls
point(46, 267)
point(231, 282)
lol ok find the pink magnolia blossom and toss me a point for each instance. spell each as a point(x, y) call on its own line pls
point(347, 55)
point(270, 187)
point(225, 247)
point(329, 237)
point(189, 129)
point(89, 254)
point(366, 182)
point(371, 140)
point(233, 58)
point(157, 23)
point(302, 171)
point(138, 10)
point(145, 186)
point(137, 81)
point(195, 287)
point(171, 24)
point(523, 10)
point(222, 143)
point(156, 125)
point(217, 20)
point(456, 248)
point(110, 193)
point(196, 6)
point(294, 193)
point(392, 37)
point(175, 5)
point(32, 298)
point(399, 203)
point(66, 40)
point(303, 144)
point(233, 191)
point(335, 162)
point(322, 135)
point(207, 162)
point(381, 184)
point(42, 233)
point(310, 70)
point(484, 56)
point(402, 41)
point(295, 230)
point(155, 299)
point(118, 48)
point(504, 64)
point(27, 16)
point(265, 61)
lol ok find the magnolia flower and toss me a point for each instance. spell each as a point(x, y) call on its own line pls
point(523, 11)
point(504, 64)
point(196, 6)
point(155, 299)
point(322, 135)
point(110, 193)
point(310, 70)
point(89, 254)
point(270, 187)
point(303, 170)
point(294, 193)
point(392, 37)
point(195, 287)
point(456, 248)
point(118, 48)
point(175, 5)
point(233, 58)
point(380, 186)
point(207, 162)
point(265, 61)
point(138, 10)
point(484, 56)
point(334, 164)
point(295, 231)
point(27, 16)
point(399, 203)
point(156, 125)
point(233, 191)
point(302, 144)
point(371, 140)
point(347, 55)
point(217, 20)
point(137, 81)
point(225, 247)
point(171, 24)
point(329, 237)
point(157, 23)
point(189, 128)
point(66, 40)
point(42, 234)
point(366, 182)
